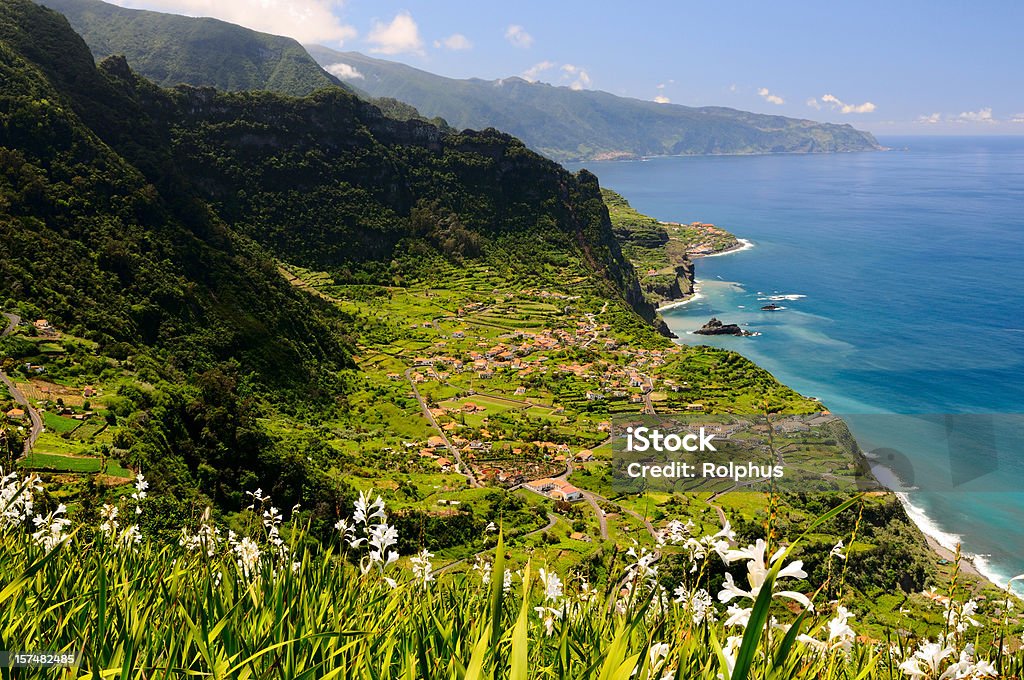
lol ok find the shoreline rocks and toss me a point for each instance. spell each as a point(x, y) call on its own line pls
point(716, 327)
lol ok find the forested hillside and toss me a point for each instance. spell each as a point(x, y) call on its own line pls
point(171, 50)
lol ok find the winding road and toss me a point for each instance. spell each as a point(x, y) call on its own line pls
point(34, 416)
point(552, 521)
point(463, 469)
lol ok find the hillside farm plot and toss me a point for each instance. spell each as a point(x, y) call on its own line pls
point(59, 424)
point(49, 462)
point(41, 390)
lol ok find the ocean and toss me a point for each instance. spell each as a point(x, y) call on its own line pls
point(901, 274)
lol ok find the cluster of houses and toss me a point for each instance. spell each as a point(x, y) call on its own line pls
point(712, 236)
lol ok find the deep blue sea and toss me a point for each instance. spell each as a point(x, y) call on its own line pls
point(902, 277)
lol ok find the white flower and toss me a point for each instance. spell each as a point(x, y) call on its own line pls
point(757, 571)
point(642, 568)
point(738, 616)
point(248, 556)
point(366, 510)
point(422, 569)
point(674, 533)
point(108, 513)
point(837, 550)
point(484, 567)
point(656, 655)
point(257, 497)
point(205, 539)
point(272, 517)
point(16, 498)
point(548, 616)
point(930, 655)
point(130, 537)
point(697, 603)
point(586, 590)
point(490, 528)
point(552, 585)
point(960, 618)
point(506, 581)
point(50, 529)
point(840, 635)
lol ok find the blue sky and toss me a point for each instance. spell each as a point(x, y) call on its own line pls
point(890, 67)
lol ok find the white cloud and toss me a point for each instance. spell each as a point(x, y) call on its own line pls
point(518, 36)
point(1017, 118)
point(930, 119)
point(456, 41)
point(538, 68)
point(401, 35)
point(661, 99)
point(842, 107)
point(813, 103)
point(344, 71)
point(769, 97)
point(733, 88)
point(661, 86)
point(308, 21)
point(979, 116)
point(579, 77)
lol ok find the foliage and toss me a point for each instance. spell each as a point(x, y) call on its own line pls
point(261, 602)
point(171, 50)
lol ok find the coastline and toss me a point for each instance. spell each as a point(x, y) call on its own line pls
point(941, 543)
point(742, 244)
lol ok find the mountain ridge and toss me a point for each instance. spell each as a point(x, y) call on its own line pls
point(578, 125)
point(170, 49)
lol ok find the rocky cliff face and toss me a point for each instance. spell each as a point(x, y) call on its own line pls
point(330, 182)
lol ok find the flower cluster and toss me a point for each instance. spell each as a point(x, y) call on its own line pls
point(17, 504)
point(422, 569)
point(369, 526)
point(18, 508)
point(50, 528)
point(933, 661)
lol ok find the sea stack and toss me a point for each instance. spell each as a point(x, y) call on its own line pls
point(716, 327)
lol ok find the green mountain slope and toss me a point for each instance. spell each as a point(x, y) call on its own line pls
point(151, 222)
point(171, 50)
point(98, 245)
point(569, 125)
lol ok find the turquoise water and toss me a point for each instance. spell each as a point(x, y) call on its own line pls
point(911, 267)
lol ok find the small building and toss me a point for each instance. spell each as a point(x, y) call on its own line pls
point(585, 456)
point(16, 414)
point(436, 442)
point(556, 489)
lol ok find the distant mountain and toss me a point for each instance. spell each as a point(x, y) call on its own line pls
point(573, 125)
point(172, 50)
